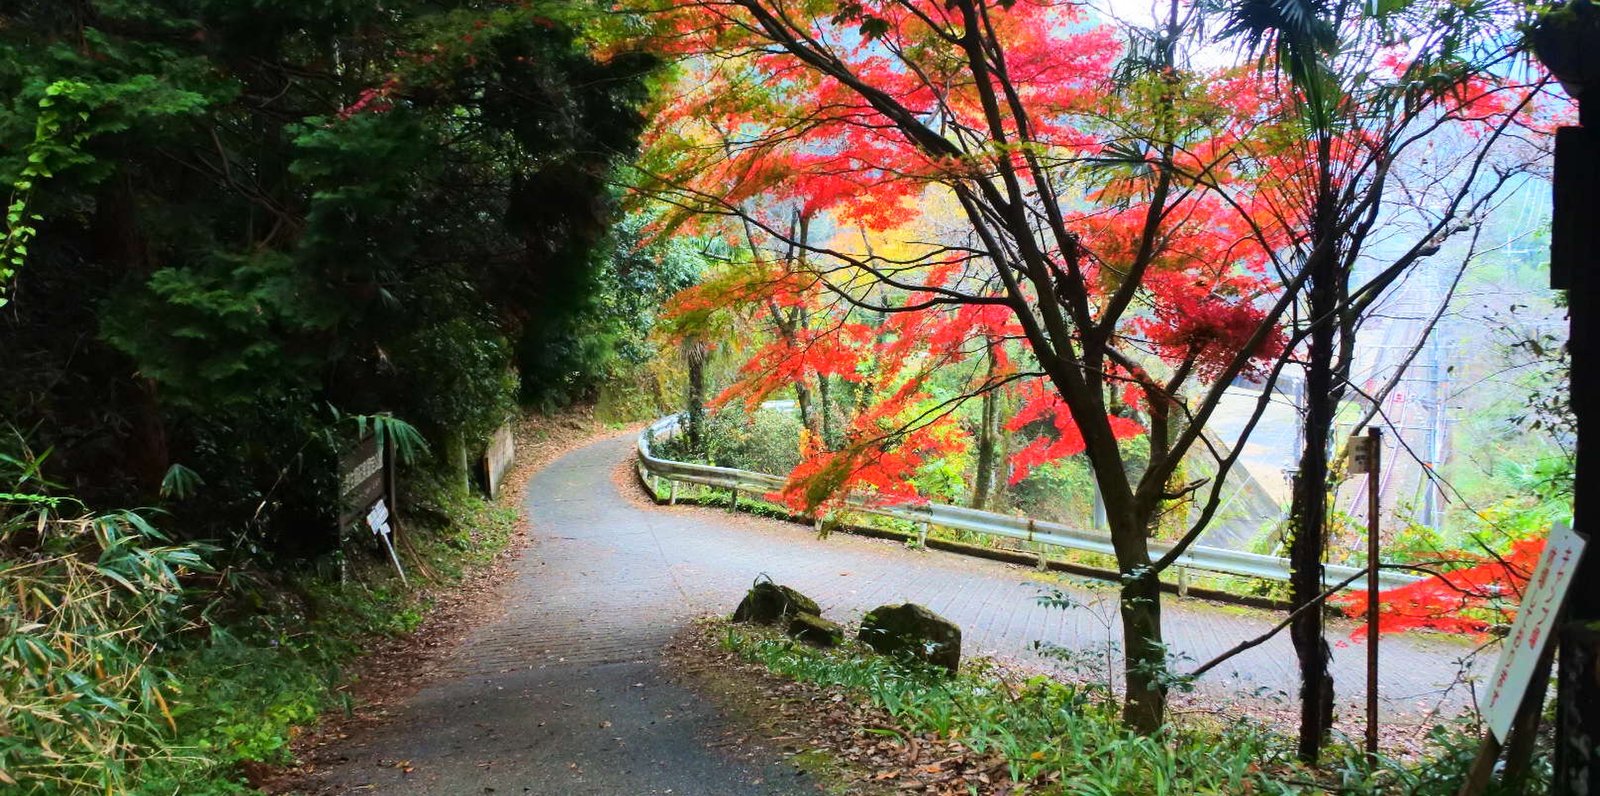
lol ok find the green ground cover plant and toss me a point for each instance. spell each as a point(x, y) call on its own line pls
point(1060, 738)
point(133, 664)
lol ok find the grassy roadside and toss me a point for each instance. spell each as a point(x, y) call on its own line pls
point(878, 727)
point(128, 666)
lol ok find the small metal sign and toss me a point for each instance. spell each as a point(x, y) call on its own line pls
point(378, 518)
point(1361, 453)
point(378, 521)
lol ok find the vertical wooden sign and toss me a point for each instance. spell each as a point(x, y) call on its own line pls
point(367, 493)
point(497, 459)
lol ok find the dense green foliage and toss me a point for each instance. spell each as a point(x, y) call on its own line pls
point(233, 223)
point(238, 236)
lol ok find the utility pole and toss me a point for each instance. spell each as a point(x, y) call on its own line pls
point(1436, 433)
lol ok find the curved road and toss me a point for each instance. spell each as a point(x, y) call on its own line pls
point(564, 694)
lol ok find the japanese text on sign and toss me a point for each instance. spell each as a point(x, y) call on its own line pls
point(1536, 618)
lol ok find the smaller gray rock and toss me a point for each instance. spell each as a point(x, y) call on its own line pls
point(913, 631)
point(767, 602)
point(815, 630)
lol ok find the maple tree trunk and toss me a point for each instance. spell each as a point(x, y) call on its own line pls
point(1308, 515)
point(802, 399)
point(824, 411)
point(1145, 660)
point(988, 452)
point(1144, 705)
point(988, 440)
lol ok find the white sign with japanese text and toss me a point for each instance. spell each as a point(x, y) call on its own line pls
point(1536, 619)
point(378, 518)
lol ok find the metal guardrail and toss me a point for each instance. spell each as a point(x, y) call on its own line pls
point(1211, 559)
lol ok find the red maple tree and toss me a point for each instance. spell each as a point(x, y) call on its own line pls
point(1096, 238)
point(1469, 595)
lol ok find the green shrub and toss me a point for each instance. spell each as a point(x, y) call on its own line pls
point(763, 441)
point(88, 602)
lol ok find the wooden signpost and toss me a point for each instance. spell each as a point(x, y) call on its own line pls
point(1523, 664)
point(497, 459)
point(367, 493)
point(1366, 456)
point(363, 480)
point(1536, 620)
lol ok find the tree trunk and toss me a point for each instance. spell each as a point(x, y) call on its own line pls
point(1145, 658)
point(988, 439)
point(1308, 514)
point(1577, 748)
point(802, 399)
point(825, 411)
point(695, 355)
point(1129, 514)
point(116, 238)
point(460, 464)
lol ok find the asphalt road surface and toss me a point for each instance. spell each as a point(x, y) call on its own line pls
point(565, 693)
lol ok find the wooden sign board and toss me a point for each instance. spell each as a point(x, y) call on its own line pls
point(1536, 619)
point(363, 480)
point(1361, 454)
point(498, 458)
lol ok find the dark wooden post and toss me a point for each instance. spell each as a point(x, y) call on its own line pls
point(1574, 255)
point(1374, 483)
point(1567, 40)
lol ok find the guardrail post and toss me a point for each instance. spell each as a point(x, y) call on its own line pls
point(1044, 563)
point(922, 535)
point(816, 522)
point(733, 500)
point(672, 493)
point(1183, 581)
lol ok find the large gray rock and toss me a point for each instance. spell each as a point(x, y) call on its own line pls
point(913, 631)
point(767, 602)
point(815, 630)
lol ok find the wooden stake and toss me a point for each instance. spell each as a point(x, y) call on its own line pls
point(1519, 743)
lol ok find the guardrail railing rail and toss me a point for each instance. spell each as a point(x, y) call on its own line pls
point(1210, 559)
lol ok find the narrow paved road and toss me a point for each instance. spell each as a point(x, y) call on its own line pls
point(564, 694)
